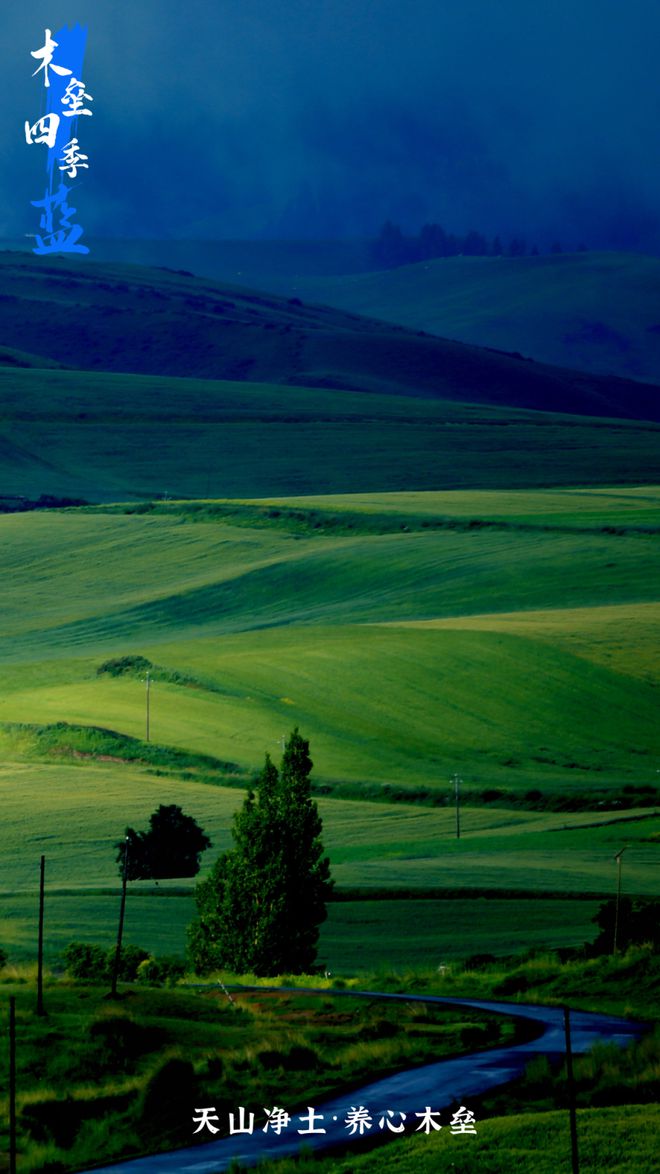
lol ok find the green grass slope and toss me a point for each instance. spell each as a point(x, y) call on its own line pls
point(621, 1140)
point(597, 312)
point(111, 437)
point(403, 655)
point(74, 811)
point(507, 636)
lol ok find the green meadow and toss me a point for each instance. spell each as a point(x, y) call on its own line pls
point(107, 436)
point(432, 589)
point(620, 1140)
point(404, 654)
point(507, 636)
point(504, 636)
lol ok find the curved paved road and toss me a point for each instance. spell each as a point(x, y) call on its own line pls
point(438, 1085)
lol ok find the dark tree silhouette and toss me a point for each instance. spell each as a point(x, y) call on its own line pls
point(170, 848)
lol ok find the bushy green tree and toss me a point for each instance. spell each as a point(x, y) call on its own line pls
point(261, 907)
point(639, 922)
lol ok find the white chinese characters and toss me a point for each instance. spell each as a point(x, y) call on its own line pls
point(67, 99)
point(357, 1122)
point(46, 52)
point(75, 97)
point(72, 159)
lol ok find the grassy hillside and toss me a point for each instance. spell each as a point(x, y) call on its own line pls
point(112, 437)
point(156, 322)
point(597, 312)
point(506, 636)
point(404, 649)
point(74, 811)
point(620, 1140)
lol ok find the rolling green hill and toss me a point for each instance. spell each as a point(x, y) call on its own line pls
point(508, 636)
point(403, 653)
point(107, 437)
point(126, 319)
point(469, 597)
point(592, 311)
point(596, 312)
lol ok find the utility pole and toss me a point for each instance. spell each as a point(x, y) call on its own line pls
point(148, 682)
point(40, 947)
point(120, 927)
point(456, 780)
point(618, 897)
point(575, 1160)
point(12, 1084)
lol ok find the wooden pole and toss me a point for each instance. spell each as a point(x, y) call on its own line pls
point(571, 1093)
point(40, 954)
point(120, 927)
point(457, 784)
point(618, 899)
point(12, 1085)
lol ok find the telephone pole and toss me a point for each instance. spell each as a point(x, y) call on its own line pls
point(12, 1084)
point(148, 682)
point(618, 897)
point(120, 927)
point(575, 1160)
point(40, 946)
point(457, 780)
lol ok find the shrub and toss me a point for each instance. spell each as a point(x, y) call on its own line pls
point(121, 666)
point(638, 922)
point(271, 1058)
point(161, 971)
point(86, 962)
point(91, 963)
point(129, 962)
point(479, 961)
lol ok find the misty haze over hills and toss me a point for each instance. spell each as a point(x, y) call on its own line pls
point(308, 121)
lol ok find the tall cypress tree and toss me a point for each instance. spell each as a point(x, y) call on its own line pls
point(261, 907)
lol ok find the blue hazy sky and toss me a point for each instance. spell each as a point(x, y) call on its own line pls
point(244, 118)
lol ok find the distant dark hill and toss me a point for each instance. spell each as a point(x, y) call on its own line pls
point(589, 311)
point(124, 319)
point(597, 312)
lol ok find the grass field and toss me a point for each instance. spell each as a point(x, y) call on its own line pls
point(106, 437)
point(477, 593)
point(403, 655)
point(621, 1140)
point(74, 813)
point(156, 322)
point(357, 934)
point(405, 634)
point(118, 1078)
point(102, 1060)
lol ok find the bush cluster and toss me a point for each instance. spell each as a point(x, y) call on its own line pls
point(86, 962)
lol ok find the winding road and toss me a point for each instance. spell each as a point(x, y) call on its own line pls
point(438, 1085)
